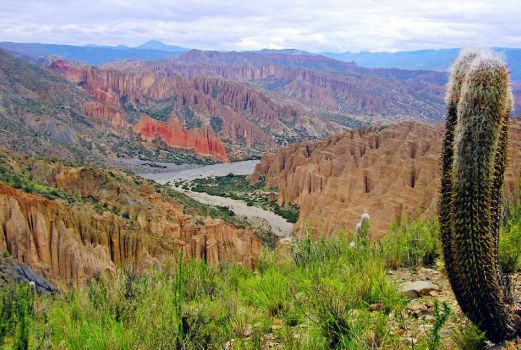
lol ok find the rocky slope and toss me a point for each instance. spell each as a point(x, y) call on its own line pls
point(237, 113)
point(203, 140)
point(12, 270)
point(390, 172)
point(75, 223)
point(334, 90)
point(43, 114)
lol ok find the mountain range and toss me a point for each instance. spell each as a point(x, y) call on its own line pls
point(430, 59)
point(94, 54)
point(439, 60)
point(204, 104)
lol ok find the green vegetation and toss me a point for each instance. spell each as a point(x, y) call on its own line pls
point(510, 238)
point(216, 123)
point(474, 155)
point(23, 180)
point(412, 244)
point(344, 120)
point(159, 110)
point(441, 317)
point(16, 313)
point(240, 188)
point(190, 118)
point(319, 298)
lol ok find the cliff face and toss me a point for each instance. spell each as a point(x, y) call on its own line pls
point(108, 87)
point(110, 219)
point(202, 141)
point(391, 173)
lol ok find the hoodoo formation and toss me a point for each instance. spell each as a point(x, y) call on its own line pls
point(390, 172)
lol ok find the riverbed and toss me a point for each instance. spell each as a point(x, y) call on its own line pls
point(200, 171)
point(279, 226)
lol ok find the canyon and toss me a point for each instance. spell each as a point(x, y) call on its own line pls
point(392, 173)
point(341, 92)
point(211, 106)
point(72, 224)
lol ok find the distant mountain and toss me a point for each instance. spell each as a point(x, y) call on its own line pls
point(91, 54)
point(281, 51)
point(158, 45)
point(439, 60)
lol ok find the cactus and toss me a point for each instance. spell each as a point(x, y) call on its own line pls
point(362, 229)
point(473, 161)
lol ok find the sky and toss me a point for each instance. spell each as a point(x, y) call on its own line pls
point(315, 26)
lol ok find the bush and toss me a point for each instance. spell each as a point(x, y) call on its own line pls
point(469, 337)
point(16, 311)
point(412, 245)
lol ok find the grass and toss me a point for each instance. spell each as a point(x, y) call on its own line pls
point(510, 238)
point(412, 244)
point(22, 179)
point(318, 299)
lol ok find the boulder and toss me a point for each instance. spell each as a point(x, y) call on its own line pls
point(418, 288)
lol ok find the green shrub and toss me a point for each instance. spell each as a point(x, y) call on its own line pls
point(16, 312)
point(412, 245)
point(441, 317)
point(510, 238)
point(469, 337)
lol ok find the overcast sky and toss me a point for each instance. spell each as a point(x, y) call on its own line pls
point(339, 25)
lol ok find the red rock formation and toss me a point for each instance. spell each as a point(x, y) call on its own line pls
point(391, 173)
point(202, 141)
point(318, 82)
point(110, 85)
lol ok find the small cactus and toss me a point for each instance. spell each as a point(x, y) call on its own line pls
point(362, 229)
point(473, 162)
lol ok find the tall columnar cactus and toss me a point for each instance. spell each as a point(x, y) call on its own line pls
point(473, 161)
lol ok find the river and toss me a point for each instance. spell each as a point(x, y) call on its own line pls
point(279, 226)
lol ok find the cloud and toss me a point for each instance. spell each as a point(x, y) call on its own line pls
point(348, 25)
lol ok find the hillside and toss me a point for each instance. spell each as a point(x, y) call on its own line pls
point(390, 172)
point(238, 114)
point(334, 90)
point(43, 114)
point(74, 223)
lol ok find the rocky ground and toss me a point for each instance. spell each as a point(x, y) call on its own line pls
point(15, 271)
point(426, 287)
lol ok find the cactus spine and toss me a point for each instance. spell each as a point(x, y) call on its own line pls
point(473, 161)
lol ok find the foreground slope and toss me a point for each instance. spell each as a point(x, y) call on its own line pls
point(390, 172)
